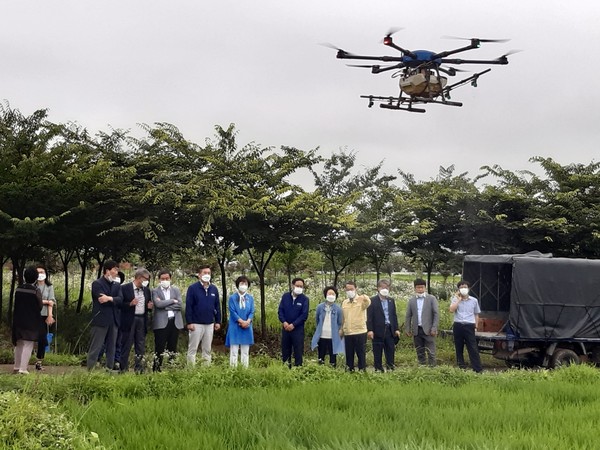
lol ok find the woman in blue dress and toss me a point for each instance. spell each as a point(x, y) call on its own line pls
point(329, 323)
point(240, 335)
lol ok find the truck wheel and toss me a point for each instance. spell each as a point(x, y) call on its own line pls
point(563, 357)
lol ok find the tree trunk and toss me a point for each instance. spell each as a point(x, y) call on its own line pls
point(429, 268)
point(260, 270)
point(65, 258)
point(224, 301)
point(263, 308)
point(83, 259)
point(3, 260)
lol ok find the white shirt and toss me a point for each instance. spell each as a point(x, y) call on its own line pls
point(420, 301)
point(167, 295)
point(326, 330)
point(139, 296)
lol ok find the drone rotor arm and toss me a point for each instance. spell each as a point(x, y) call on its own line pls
point(346, 55)
point(388, 42)
point(501, 60)
point(472, 79)
point(474, 44)
point(385, 69)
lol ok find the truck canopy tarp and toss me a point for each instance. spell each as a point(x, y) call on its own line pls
point(555, 298)
point(504, 259)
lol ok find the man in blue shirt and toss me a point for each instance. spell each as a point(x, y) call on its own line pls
point(466, 314)
point(293, 312)
point(202, 315)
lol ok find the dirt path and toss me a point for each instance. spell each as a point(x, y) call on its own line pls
point(49, 370)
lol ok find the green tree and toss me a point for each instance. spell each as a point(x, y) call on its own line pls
point(440, 208)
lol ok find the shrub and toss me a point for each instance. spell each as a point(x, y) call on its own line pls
point(26, 423)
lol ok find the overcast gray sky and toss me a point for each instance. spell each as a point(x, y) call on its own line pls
point(198, 63)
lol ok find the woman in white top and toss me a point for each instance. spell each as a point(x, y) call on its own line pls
point(329, 323)
point(48, 302)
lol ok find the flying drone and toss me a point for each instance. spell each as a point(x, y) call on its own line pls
point(420, 73)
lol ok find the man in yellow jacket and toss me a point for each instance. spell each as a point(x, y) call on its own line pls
point(354, 328)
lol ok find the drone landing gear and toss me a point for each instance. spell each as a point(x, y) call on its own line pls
point(441, 102)
point(397, 107)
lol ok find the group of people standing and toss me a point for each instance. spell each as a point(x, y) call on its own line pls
point(120, 317)
point(346, 328)
point(120, 320)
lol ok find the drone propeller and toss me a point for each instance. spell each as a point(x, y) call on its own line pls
point(377, 68)
point(451, 70)
point(504, 58)
point(331, 46)
point(511, 52)
point(387, 40)
point(475, 39)
point(340, 52)
point(391, 32)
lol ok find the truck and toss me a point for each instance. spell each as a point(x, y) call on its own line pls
point(536, 310)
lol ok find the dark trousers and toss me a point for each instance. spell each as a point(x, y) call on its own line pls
point(135, 337)
point(97, 337)
point(292, 341)
point(43, 338)
point(356, 344)
point(385, 345)
point(165, 337)
point(425, 347)
point(464, 334)
point(325, 347)
point(117, 347)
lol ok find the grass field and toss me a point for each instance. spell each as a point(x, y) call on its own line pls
point(316, 407)
point(313, 407)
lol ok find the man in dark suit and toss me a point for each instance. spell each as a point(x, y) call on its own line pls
point(382, 326)
point(134, 316)
point(422, 319)
point(106, 315)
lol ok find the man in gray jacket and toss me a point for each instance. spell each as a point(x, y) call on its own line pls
point(168, 322)
point(422, 319)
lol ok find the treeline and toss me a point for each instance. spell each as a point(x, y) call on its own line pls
point(163, 201)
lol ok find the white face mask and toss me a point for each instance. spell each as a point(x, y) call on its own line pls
point(243, 288)
point(298, 290)
point(421, 294)
point(351, 294)
point(41, 277)
point(165, 284)
point(330, 298)
point(145, 283)
point(205, 278)
point(464, 291)
point(384, 292)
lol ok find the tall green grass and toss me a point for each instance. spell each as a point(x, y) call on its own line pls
point(317, 407)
